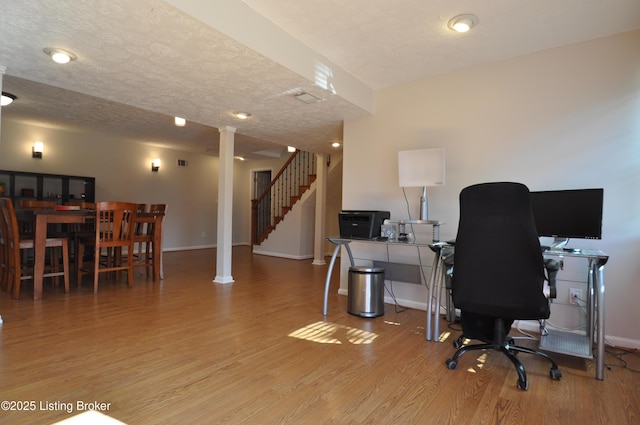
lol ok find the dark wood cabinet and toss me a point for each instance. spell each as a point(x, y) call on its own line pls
point(58, 187)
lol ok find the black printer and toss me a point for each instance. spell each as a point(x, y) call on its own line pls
point(361, 224)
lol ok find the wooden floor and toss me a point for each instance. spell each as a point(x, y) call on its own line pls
point(259, 351)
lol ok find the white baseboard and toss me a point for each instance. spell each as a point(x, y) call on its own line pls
point(526, 325)
point(282, 255)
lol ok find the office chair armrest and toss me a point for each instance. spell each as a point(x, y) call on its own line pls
point(551, 267)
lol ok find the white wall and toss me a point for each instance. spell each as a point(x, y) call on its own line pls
point(561, 118)
point(123, 172)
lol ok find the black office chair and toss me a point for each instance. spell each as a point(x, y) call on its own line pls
point(498, 271)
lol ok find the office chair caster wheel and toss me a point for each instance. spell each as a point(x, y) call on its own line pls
point(451, 364)
point(556, 374)
point(523, 385)
point(457, 343)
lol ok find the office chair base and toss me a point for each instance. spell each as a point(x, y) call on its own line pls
point(511, 351)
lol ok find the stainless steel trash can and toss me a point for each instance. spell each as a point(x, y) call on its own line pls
point(366, 291)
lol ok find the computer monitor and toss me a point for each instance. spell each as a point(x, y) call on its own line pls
point(565, 214)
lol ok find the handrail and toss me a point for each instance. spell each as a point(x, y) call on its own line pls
point(293, 179)
point(281, 172)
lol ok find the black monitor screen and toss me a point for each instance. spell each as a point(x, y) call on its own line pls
point(568, 213)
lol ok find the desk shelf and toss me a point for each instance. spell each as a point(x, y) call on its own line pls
point(567, 343)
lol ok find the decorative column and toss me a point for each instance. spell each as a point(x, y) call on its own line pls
point(321, 209)
point(225, 206)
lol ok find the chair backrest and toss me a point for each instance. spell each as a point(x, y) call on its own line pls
point(37, 204)
point(154, 209)
point(82, 204)
point(115, 223)
point(157, 208)
point(4, 230)
point(498, 264)
point(10, 230)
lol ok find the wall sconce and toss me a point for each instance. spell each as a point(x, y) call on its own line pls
point(155, 165)
point(291, 149)
point(37, 150)
point(421, 168)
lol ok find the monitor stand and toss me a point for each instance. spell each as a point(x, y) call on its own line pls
point(558, 244)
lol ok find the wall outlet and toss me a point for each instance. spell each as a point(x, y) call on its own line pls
point(575, 295)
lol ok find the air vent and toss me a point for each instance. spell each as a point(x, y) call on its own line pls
point(307, 98)
point(182, 163)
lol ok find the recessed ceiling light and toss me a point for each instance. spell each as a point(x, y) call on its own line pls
point(335, 144)
point(60, 55)
point(7, 99)
point(463, 23)
point(180, 122)
point(241, 115)
point(239, 158)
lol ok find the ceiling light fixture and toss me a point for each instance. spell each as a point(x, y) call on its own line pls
point(241, 115)
point(60, 55)
point(335, 144)
point(463, 23)
point(239, 158)
point(291, 149)
point(180, 122)
point(7, 99)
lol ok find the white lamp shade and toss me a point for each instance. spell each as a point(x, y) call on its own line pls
point(422, 167)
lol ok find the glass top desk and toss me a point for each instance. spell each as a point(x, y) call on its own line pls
point(576, 344)
point(555, 341)
point(437, 270)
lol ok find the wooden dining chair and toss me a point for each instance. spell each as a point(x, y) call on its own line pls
point(84, 205)
point(4, 253)
point(34, 204)
point(15, 244)
point(144, 255)
point(74, 231)
point(114, 230)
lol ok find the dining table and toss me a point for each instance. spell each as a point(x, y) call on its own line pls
point(44, 217)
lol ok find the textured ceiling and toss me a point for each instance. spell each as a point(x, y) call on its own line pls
point(384, 43)
point(141, 62)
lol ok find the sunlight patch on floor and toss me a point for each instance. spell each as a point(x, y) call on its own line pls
point(90, 417)
point(481, 360)
point(331, 333)
point(444, 336)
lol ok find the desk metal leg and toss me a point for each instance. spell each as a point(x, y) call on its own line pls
point(599, 287)
point(436, 314)
point(330, 271)
point(431, 283)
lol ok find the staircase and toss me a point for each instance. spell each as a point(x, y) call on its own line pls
point(291, 182)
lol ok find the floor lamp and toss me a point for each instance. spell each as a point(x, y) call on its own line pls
point(421, 168)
